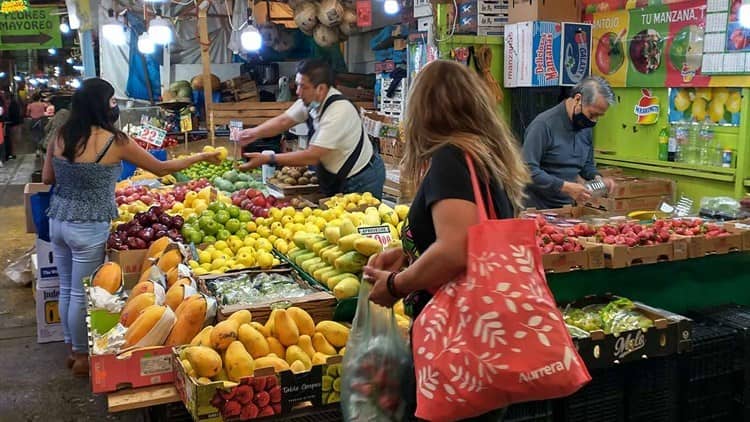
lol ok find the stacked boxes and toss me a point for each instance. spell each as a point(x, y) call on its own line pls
point(482, 17)
point(634, 194)
point(48, 325)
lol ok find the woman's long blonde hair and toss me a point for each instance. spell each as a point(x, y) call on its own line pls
point(450, 105)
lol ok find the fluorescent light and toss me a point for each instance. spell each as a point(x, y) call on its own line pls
point(64, 27)
point(160, 30)
point(146, 44)
point(2, 74)
point(391, 7)
point(73, 21)
point(250, 38)
point(52, 51)
point(113, 31)
point(745, 15)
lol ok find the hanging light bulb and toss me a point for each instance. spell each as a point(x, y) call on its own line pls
point(146, 44)
point(51, 51)
point(391, 7)
point(113, 31)
point(250, 38)
point(64, 26)
point(160, 30)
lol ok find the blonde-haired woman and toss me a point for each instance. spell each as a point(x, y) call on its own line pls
point(450, 116)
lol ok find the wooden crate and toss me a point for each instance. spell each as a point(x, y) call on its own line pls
point(591, 258)
point(392, 149)
point(357, 94)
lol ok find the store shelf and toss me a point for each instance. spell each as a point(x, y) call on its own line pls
point(702, 172)
point(747, 182)
point(475, 39)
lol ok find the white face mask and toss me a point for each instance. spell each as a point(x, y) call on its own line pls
point(314, 105)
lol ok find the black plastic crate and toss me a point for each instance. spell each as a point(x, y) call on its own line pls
point(653, 391)
point(602, 400)
point(535, 411)
point(713, 354)
point(710, 407)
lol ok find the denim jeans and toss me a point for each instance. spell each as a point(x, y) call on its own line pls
point(370, 179)
point(78, 249)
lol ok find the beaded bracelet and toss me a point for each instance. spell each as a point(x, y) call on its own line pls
point(391, 285)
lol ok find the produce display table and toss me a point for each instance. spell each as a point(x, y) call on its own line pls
point(676, 286)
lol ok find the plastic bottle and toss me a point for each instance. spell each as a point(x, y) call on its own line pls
point(267, 170)
point(682, 136)
point(693, 145)
point(663, 151)
point(672, 144)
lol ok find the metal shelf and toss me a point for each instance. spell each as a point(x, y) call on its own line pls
point(691, 170)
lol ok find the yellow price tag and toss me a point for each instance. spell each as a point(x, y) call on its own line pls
point(186, 123)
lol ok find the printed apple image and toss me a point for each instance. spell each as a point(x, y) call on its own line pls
point(738, 39)
point(609, 53)
point(646, 50)
point(686, 52)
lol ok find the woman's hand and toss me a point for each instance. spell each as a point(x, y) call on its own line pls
point(389, 260)
point(379, 293)
point(211, 157)
point(254, 160)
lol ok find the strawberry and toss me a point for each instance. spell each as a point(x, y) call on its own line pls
point(266, 411)
point(244, 394)
point(231, 409)
point(557, 238)
point(249, 411)
point(259, 384)
point(262, 399)
point(275, 394)
point(271, 382)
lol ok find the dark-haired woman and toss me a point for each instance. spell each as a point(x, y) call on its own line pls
point(84, 163)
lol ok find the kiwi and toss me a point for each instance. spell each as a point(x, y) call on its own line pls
point(290, 181)
point(303, 180)
point(314, 180)
point(308, 174)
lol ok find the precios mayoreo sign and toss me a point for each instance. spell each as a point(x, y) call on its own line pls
point(35, 28)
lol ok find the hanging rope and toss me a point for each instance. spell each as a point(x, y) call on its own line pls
point(483, 60)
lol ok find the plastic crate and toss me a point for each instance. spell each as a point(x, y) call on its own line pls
point(535, 411)
point(602, 400)
point(653, 391)
point(714, 353)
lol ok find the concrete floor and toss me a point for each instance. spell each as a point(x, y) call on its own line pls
point(36, 384)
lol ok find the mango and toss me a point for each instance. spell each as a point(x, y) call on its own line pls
point(204, 360)
point(140, 288)
point(172, 276)
point(261, 328)
point(328, 274)
point(189, 323)
point(318, 273)
point(332, 234)
point(285, 328)
point(351, 262)
point(319, 359)
point(134, 306)
point(317, 246)
point(347, 228)
point(242, 317)
point(371, 219)
point(346, 243)
point(299, 239)
point(155, 251)
point(188, 367)
point(275, 346)
point(223, 334)
point(304, 257)
point(174, 296)
point(402, 211)
point(333, 281)
point(272, 362)
point(297, 367)
point(238, 362)
point(330, 256)
point(203, 338)
point(253, 341)
point(108, 277)
point(321, 253)
point(295, 253)
point(322, 345)
point(312, 240)
point(346, 288)
point(302, 320)
point(336, 334)
point(269, 323)
point(368, 246)
point(294, 353)
point(342, 352)
point(169, 260)
point(142, 325)
point(310, 262)
point(188, 300)
point(305, 343)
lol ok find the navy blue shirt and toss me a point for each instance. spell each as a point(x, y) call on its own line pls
point(555, 153)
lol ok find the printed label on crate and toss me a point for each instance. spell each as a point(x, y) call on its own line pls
point(235, 126)
point(629, 343)
point(151, 365)
point(302, 387)
point(380, 233)
point(150, 134)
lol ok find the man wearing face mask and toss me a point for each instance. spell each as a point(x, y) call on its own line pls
point(558, 146)
point(340, 148)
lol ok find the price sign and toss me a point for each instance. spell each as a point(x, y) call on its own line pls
point(152, 135)
point(186, 123)
point(380, 233)
point(235, 126)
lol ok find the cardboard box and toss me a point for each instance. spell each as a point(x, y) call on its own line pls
point(131, 262)
point(548, 10)
point(575, 54)
point(626, 205)
point(47, 275)
point(475, 14)
point(701, 246)
point(538, 47)
point(510, 56)
point(633, 187)
point(133, 369)
point(622, 256)
point(591, 258)
point(671, 334)
point(568, 211)
point(48, 326)
point(28, 190)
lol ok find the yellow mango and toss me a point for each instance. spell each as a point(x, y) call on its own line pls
point(238, 362)
point(346, 288)
point(329, 274)
point(242, 317)
point(318, 273)
point(297, 367)
point(189, 323)
point(347, 228)
point(318, 246)
point(294, 353)
point(322, 345)
point(310, 262)
point(134, 306)
point(312, 240)
point(275, 346)
point(223, 334)
point(368, 246)
point(304, 257)
point(319, 359)
point(261, 328)
point(203, 338)
point(315, 267)
point(305, 343)
point(255, 343)
point(204, 360)
point(285, 328)
point(269, 323)
point(332, 234)
point(146, 320)
point(272, 362)
point(346, 243)
point(333, 281)
point(302, 319)
point(336, 334)
point(351, 262)
point(330, 256)
point(108, 277)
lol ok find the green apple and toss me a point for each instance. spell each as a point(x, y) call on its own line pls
point(245, 216)
point(234, 211)
point(223, 234)
point(232, 225)
point(209, 239)
point(222, 216)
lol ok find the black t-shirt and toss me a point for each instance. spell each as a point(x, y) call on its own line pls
point(447, 178)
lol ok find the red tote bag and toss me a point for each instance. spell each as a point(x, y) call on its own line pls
point(494, 336)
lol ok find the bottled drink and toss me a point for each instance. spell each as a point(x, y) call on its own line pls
point(707, 147)
point(692, 155)
point(672, 144)
point(682, 134)
point(663, 152)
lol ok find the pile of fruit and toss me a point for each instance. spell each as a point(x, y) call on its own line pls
point(246, 289)
point(558, 239)
point(255, 201)
point(294, 176)
point(632, 234)
point(352, 201)
point(144, 229)
point(217, 221)
point(254, 397)
point(235, 348)
point(132, 199)
point(233, 180)
point(691, 227)
point(614, 317)
point(235, 253)
point(208, 170)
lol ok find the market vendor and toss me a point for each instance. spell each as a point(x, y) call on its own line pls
point(339, 146)
point(559, 150)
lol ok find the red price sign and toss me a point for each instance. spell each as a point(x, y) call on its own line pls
point(380, 233)
point(152, 135)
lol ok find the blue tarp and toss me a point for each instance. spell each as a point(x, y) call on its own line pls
point(142, 65)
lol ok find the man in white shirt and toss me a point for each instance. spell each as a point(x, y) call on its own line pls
point(340, 148)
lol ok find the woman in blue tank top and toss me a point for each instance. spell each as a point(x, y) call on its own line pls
point(84, 162)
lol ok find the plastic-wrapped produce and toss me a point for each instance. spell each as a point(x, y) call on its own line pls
point(242, 289)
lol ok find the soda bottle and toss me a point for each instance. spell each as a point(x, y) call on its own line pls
point(663, 152)
point(672, 144)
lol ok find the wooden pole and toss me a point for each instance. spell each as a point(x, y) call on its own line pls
point(206, 61)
